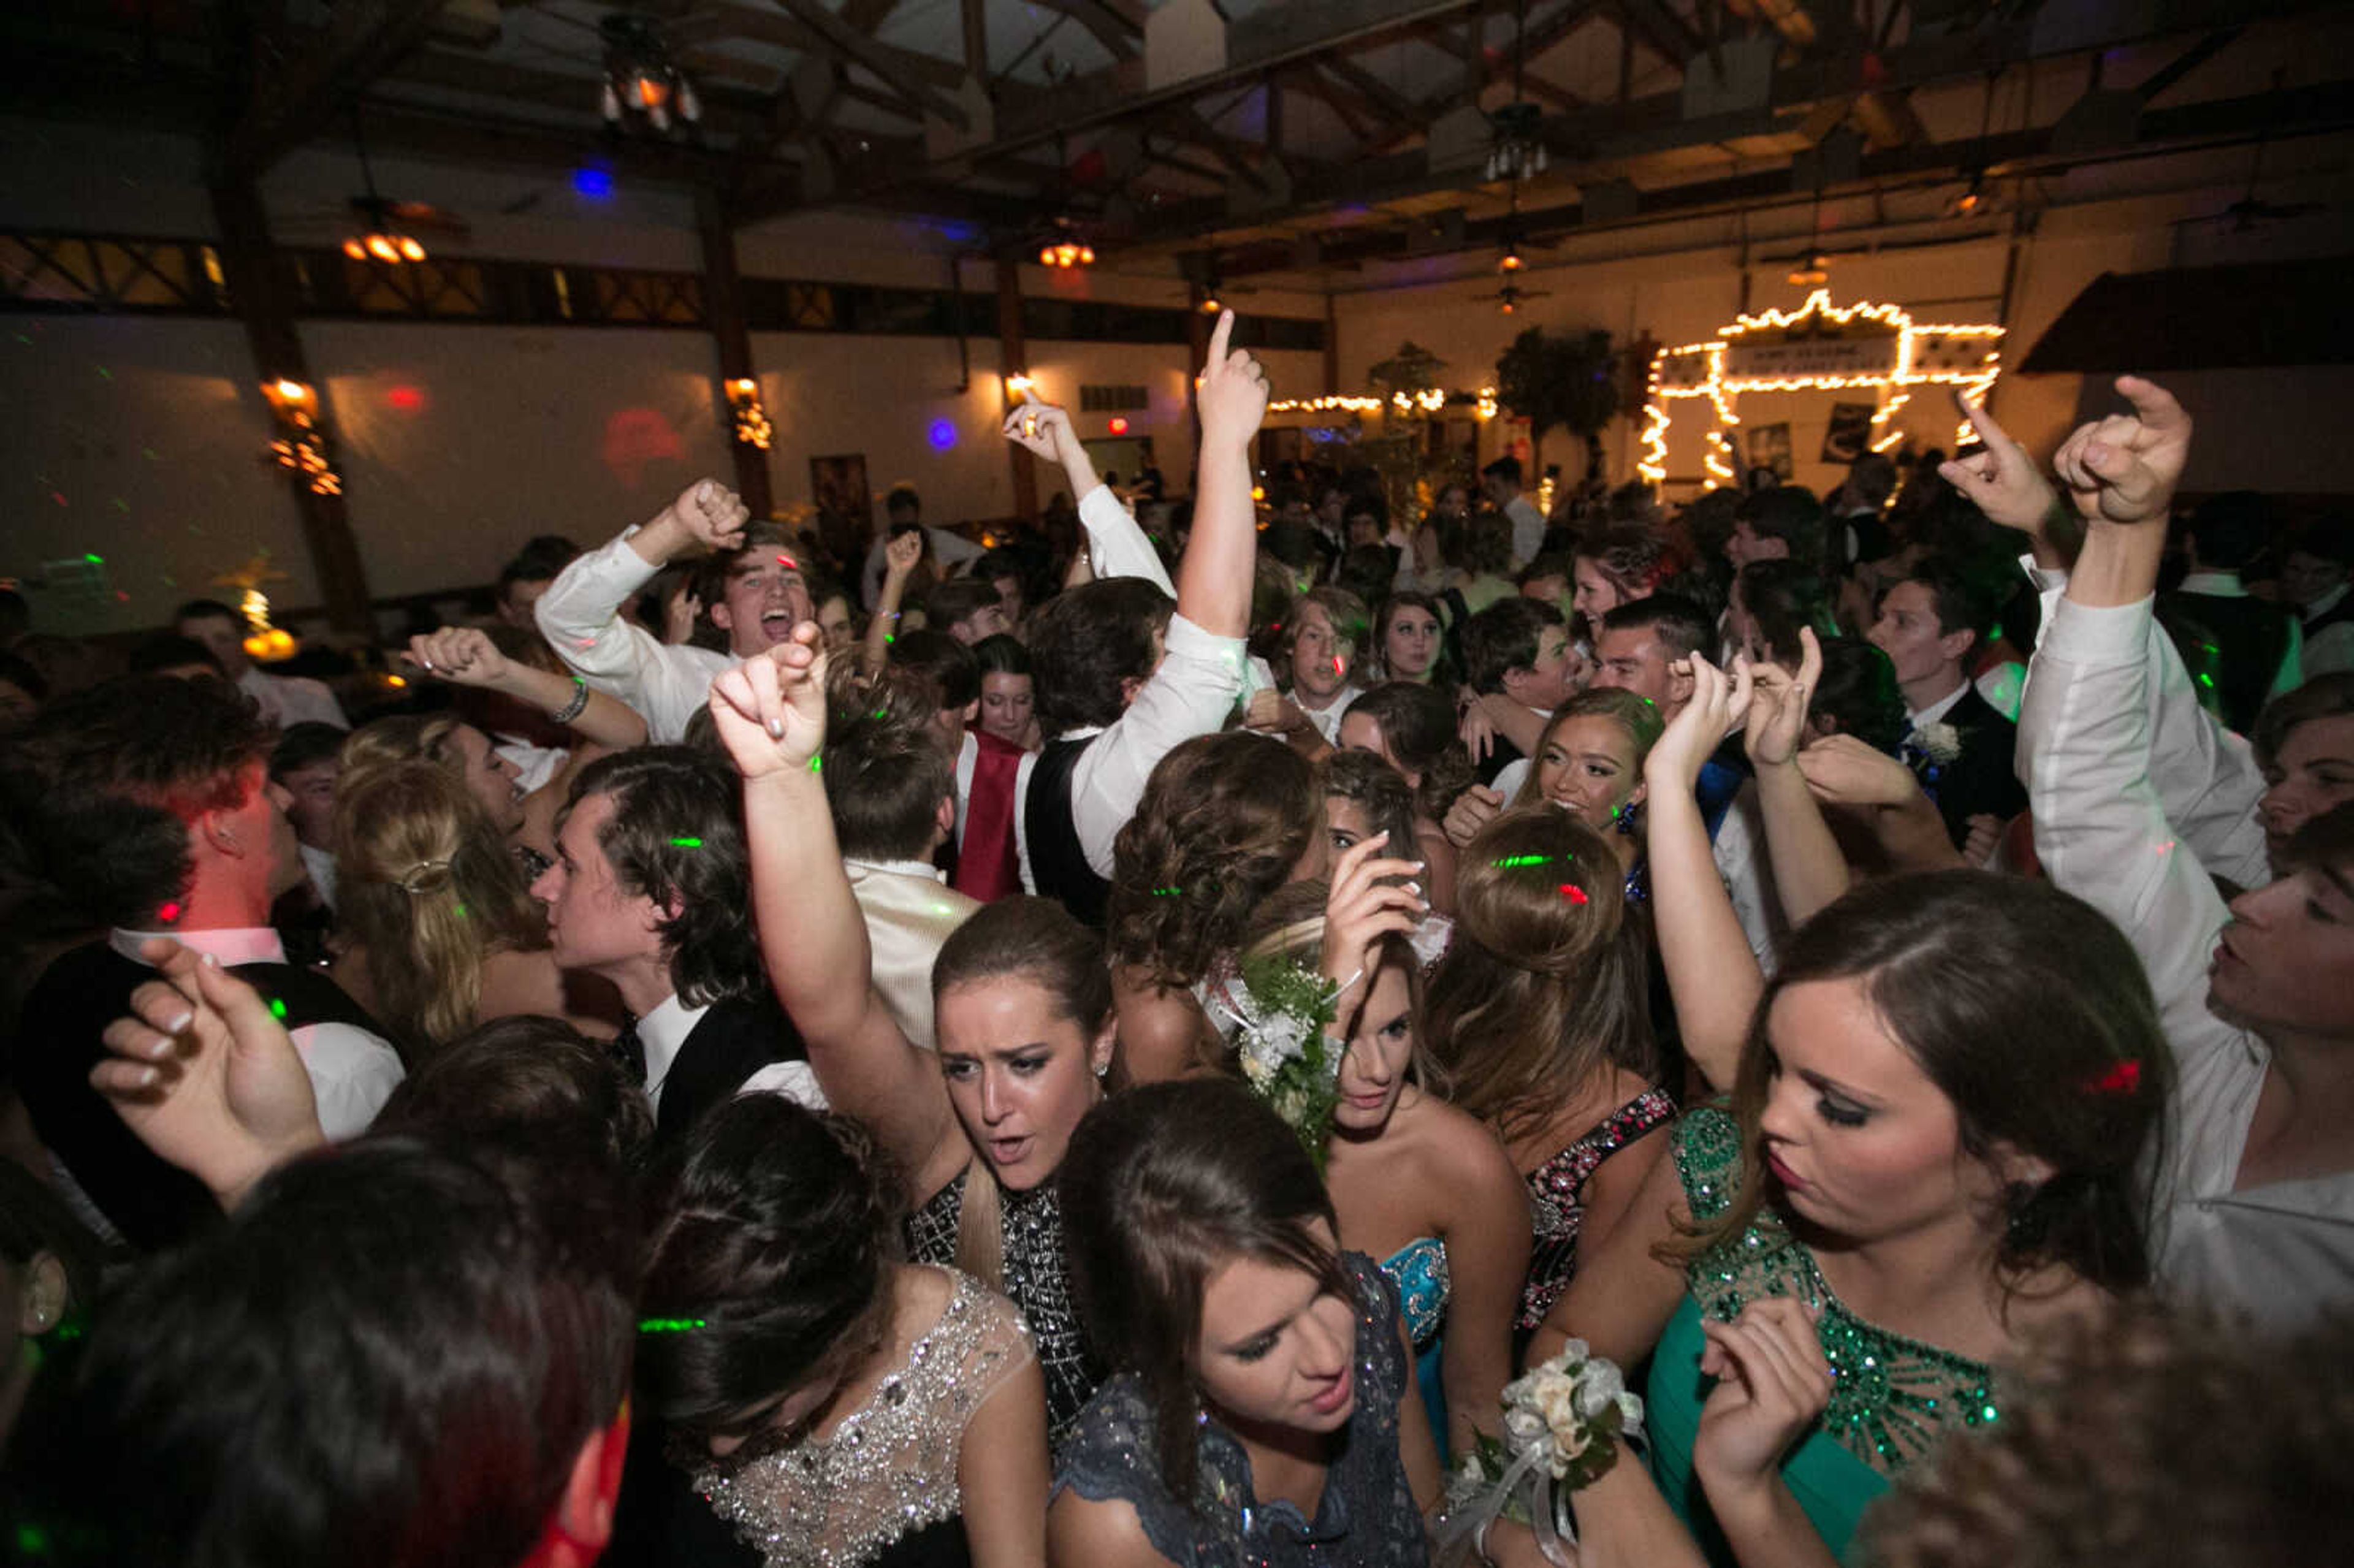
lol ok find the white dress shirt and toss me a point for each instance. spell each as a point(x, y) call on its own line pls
point(1327, 719)
point(2093, 767)
point(1191, 693)
point(2330, 651)
point(663, 1033)
point(581, 615)
point(287, 700)
point(351, 1072)
point(910, 913)
point(321, 865)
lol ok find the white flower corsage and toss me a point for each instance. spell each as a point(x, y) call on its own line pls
point(1279, 1010)
point(1562, 1425)
point(1940, 743)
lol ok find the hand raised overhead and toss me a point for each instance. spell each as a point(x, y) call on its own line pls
point(901, 555)
point(1361, 908)
point(463, 654)
point(2124, 469)
point(1718, 708)
point(2002, 480)
point(1777, 705)
point(1232, 395)
point(1041, 428)
point(707, 513)
point(770, 709)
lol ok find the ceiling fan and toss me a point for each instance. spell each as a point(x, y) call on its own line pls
point(381, 228)
point(2250, 210)
point(1511, 297)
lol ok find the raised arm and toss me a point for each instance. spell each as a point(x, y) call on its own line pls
point(580, 613)
point(1809, 869)
point(2101, 828)
point(1116, 546)
point(2005, 483)
point(1214, 581)
point(899, 558)
point(465, 656)
point(770, 714)
point(1712, 973)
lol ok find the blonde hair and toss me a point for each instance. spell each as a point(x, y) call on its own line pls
point(428, 888)
point(404, 738)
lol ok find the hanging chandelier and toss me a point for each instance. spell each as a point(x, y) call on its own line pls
point(641, 81)
point(1518, 152)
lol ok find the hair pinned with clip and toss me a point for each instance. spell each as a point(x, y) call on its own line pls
point(426, 876)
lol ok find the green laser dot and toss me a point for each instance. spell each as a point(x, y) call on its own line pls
point(668, 1325)
point(277, 1007)
point(817, 763)
point(95, 560)
point(688, 844)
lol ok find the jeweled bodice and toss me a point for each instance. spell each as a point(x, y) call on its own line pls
point(1891, 1397)
point(1418, 1269)
point(1037, 1280)
point(1557, 1199)
point(889, 1469)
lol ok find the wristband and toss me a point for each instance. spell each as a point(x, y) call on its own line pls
point(577, 707)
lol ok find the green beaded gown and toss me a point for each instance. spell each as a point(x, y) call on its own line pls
point(1891, 1400)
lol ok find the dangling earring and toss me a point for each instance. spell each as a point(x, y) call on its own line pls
point(1622, 818)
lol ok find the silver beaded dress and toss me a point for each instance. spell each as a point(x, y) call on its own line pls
point(881, 1491)
point(1037, 1279)
point(1366, 1518)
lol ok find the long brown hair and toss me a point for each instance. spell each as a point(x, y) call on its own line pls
point(1544, 985)
point(1164, 1185)
point(2031, 1013)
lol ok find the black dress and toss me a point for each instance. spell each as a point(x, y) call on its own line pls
point(1037, 1280)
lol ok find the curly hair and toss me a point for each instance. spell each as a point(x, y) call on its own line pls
point(1417, 724)
point(1544, 986)
point(428, 888)
point(2027, 1010)
point(2138, 1435)
point(1224, 820)
point(774, 1232)
point(1366, 780)
point(677, 834)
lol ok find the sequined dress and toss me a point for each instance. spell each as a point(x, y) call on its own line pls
point(1366, 1517)
point(1418, 1270)
point(882, 1489)
point(1892, 1398)
point(1036, 1278)
point(1557, 1199)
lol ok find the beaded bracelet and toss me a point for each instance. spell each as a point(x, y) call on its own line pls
point(577, 707)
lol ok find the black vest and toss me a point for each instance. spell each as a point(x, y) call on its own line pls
point(153, 1203)
point(2250, 637)
point(1058, 863)
point(729, 1044)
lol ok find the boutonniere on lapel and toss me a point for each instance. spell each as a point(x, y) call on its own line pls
point(1940, 743)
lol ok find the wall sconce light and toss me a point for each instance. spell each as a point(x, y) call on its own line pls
point(302, 447)
point(752, 427)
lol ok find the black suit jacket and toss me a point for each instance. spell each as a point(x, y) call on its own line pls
point(1984, 779)
point(730, 1043)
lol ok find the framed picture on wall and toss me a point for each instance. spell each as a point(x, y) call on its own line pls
point(1849, 430)
point(1769, 447)
point(838, 484)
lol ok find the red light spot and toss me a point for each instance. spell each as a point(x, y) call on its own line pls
point(169, 911)
point(1119, 425)
point(788, 563)
point(407, 399)
point(1574, 893)
point(59, 496)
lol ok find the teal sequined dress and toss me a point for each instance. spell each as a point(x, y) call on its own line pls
point(1892, 1400)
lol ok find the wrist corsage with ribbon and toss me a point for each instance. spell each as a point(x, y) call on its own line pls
point(1280, 1008)
point(1565, 1423)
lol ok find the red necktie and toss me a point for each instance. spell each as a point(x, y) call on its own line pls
point(987, 866)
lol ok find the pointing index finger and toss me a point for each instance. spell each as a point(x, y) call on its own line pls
point(1219, 337)
point(1994, 436)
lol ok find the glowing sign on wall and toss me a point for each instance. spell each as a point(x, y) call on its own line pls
point(1818, 347)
